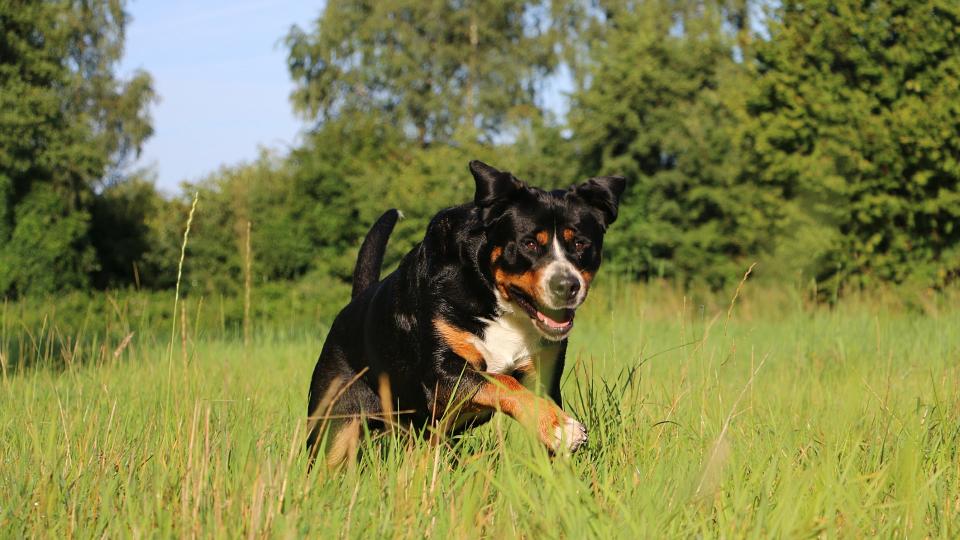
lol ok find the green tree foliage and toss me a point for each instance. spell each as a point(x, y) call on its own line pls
point(429, 67)
point(660, 102)
point(67, 125)
point(402, 93)
point(308, 212)
point(265, 196)
point(49, 249)
point(136, 233)
point(856, 119)
point(826, 145)
point(339, 177)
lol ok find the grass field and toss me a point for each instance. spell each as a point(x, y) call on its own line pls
point(773, 419)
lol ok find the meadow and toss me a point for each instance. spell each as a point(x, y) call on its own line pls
point(767, 416)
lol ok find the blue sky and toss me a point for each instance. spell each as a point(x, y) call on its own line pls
point(220, 71)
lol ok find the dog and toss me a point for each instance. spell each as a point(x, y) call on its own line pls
point(474, 320)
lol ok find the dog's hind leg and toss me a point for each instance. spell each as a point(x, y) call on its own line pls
point(336, 421)
point(344, 443)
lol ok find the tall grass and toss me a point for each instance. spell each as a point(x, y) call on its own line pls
point(767, 417)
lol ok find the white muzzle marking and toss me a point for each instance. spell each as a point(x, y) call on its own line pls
point(559, 264)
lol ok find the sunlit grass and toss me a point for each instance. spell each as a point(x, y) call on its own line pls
point(783, 421)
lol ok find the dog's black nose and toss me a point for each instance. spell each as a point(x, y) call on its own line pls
point(564, 286)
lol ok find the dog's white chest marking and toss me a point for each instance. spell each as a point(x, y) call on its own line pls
point(509, 342)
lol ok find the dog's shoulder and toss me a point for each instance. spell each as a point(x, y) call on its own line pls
point(448, 225)
point(453, 236)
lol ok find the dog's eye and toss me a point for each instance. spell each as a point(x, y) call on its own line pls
point(531, 245)
point(580, 245)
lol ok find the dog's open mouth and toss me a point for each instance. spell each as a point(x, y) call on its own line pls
point(555, 323)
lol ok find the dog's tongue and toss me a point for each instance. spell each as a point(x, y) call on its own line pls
point(558, 325)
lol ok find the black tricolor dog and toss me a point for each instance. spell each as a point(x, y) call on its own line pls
point(474, 320)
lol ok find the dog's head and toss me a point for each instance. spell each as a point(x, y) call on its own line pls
point(543, 248)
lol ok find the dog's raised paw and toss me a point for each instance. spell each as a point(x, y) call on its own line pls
point(570, 435)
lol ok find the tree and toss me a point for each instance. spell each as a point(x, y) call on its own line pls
point(431, 67)
point(67, 126)
point(403, 94)
point(263, 194)
point(856, 119)
point(136, 234)
point(660, 102)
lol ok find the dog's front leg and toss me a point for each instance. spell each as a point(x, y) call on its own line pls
point(478, 392)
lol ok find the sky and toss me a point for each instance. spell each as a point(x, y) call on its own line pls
point(219, 67)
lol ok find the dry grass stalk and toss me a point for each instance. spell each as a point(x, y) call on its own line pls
point(247, 271)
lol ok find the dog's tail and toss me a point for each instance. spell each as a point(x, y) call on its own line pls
point(367, 271)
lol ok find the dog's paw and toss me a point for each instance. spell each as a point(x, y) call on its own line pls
point(569, 435)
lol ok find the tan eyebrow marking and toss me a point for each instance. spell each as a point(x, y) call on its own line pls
point(526, 282)
point(543, 237)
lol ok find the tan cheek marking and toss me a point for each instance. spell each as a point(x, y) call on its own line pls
point(461, 343)
point(587, 276)
point(543, 237)
point(526, 282)
point(568, 234)
point(495, 254)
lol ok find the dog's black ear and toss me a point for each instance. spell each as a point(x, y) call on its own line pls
point(492, 184)
point(603, 193)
